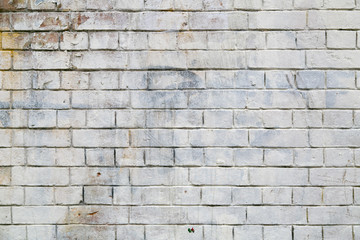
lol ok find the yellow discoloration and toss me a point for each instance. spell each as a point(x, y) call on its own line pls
point(16, 40)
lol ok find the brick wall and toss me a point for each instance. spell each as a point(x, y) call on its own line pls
point(140, 119)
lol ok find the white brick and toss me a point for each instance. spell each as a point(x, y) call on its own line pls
point(218, 176)
point(341, 39)
point(218, 138)
point(12, 156)
point(217, 20)
point(81, 231)
point(329, 19)
point(74, 80)
point(307, 232)
point(74, 41)
point(277, 195)
point(192, 40)
point(279, 215)
point(40, 176)
point(340, 79)
point(71, 118)
point(248, 4)
point(338, 5)
point(282, 40)
point(307, 118)
point(278, 138)
point(334, 138)
point(277, 4)
point(104, 215)
point(130, 157)
point(339, 157)
point(39, 215)
point(218, 119)
point(41, 138)
point(159, 157)
point(277, 232)
point(280, 79)
point(248, 231)
point(162, 41)
point(100, 99)
point(98, 195)
point(248, 157)
point(308, 157)
point(5, 214)
point(100, 157)
point(338, 196)
point(216, 196)
point(277, 119)
point(68, 195)
point(310, 79)
point(277, 20)
point(307, 196)
point(13, 232)
point(283, 59)
point(338, 232)
point(165, 176)
point(310, 39)
point(39, 196)
point(104, 40)
point(11, 196)
point(278, 176)
point(133, 40)
point(218, 5)
point(42, 119)
point(101, 118)
point(130, 232)
point(99, 176)
point(278, 157)
point(189, 156)
point(246, 195)
point(218, 232)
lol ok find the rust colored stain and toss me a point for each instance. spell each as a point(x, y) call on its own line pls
point(81, 19)
point(50, 21)
point(93, 213)
point(98, 174)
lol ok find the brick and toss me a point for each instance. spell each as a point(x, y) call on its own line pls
point(42, 119)
point(248, 118)
point(133, 80)
point(250, 231)
point(5, 21)
point(307, 232)
point(176, 80)
point(278, 157)
point(341, 39)
point(218, 20)
point(310, 79)
point(160, 21)
point(280, 215)
point(104, 80)
point(4, 99)
point(99, 60)
point(43, 99)
point(334, 138)
point(189, 157)
point(74, 41)
point(342, 99)
point(134, 5)
point(101, 21)
point(160, 232)
point(216, 196)
point(162, 41)
point(276, 232)
point(13, 232)
point(70, 157)
point(338, 196)
point(282, 40)
point(277, 195)
point(311, 39)
point(5, 60)
point(277, 119)
point(279, 138)
point(159, 99)
point(218, 232)
point(248, 157)
point(12, 156)
point(165, 176)
point(339, 5)
point(39, 215)
point(133, 40)
point(218, 138)
point(130, 119)
point(5, 213)
point(130, 232)
point(41, 60)
point(278, 176)
point(213, 59)
point(45, 41)
point(173, 119)
point(236, 40)
point(41, 138)
point(42, 5)
point(159, 157)
point(68, 195)
point(186, 195)
point(74, 80)
point(39, 196)
point(284, 59)
point(340, 176)
point(218, 157)
point(188, 5)
point(307, 118)
point(339, 157)
point(307, 196)
point(100, 99)
point(41, 156)
point(280, 79)
point(192, 40)
point(273, 4)
point(104, 40)
point(338, 118)
point(13, 118)
point(304, 4)
point(16, 40)
point(218, 5)
point(157, 60)
point(340, 79)
point(71, 118)
point(130, 157)
point(41, 21)
point(217, 99)
point(101, 138)
point(277, 20)
point(11, 196)
point(246, 195)
point(17, 80)
point(308, 157)
point(218, 176)
point(98, 195)
point(101, 118)
point(96, 5)
point(40, 176)
point(99, 176)
point(81, 231)
point(98, 215)
point(46, 80)
point(329, 19)
point(218, 119)
point(333, 215)
point(67, 5)
point(100, 157)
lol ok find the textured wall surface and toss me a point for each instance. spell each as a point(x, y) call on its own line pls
point(140, 119)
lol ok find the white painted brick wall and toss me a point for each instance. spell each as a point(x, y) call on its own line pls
point(141, 119)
